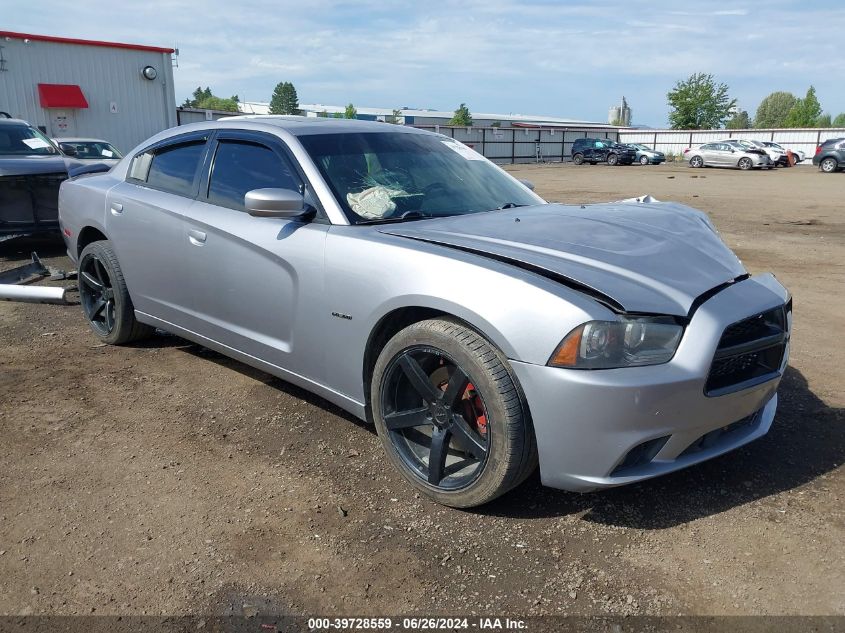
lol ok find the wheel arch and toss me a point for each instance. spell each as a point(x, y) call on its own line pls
point(399, 318)
point(86, 236)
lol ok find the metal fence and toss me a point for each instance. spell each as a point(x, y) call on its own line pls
point(521, 145)
point(676, 141)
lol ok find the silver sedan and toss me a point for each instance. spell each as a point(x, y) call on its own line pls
point(402, 276)
point(727, 154)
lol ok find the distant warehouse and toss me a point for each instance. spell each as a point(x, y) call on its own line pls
point(122, 93)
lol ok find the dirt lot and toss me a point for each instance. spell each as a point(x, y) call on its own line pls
point(165, 478)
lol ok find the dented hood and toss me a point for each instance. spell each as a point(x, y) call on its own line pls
point(12, 165)
point(652, 258)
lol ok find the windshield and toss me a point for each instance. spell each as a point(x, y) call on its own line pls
point(92, 150)
point(389, 176)
point(22, 140)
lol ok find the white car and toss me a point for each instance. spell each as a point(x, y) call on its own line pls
point(799, 155)
point(95, 150)
point(775, 152)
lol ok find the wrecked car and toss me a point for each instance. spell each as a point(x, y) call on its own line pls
point(404, 277)
point(31, 170)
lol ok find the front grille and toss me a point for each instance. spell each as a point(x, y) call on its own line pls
point(29, 201)
point(749, 352)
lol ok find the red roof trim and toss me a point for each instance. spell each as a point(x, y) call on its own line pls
point(71, 40)
point(61, 96)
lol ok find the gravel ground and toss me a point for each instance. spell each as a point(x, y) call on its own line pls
point(166, 479)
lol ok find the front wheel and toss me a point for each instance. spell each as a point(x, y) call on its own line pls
point(745, 164)
point(450, 415)
point(644, 160)
point(828, 165)
point(612, 160)
point(104, 297)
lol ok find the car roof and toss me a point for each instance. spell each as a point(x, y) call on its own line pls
point(302, 126)
point(14, 122)
point(78, 139)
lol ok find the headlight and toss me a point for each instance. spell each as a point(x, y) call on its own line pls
point(625, 343)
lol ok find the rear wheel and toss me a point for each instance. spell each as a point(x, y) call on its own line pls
point(612, 159)
point(104, 297)
point(644, 160)
point(828, 165)
point(450, 415)
point(696, 161)
point(745, 164)
point(578, 159)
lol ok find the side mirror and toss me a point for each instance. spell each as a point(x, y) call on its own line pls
point(68, 149)
point(527, 183)
point(274, 203)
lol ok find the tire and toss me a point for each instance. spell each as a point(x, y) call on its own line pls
point(644, 160)
point(449, 361)
point(578, 159)
point(696, 161)
point(104, 297)
point(612, 160)
point(828, 165)
point(745, 164)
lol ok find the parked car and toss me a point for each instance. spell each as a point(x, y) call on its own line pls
point(796, 153)
point(602, 150)
point(89, 149)
point(830, 155)
point(646, 155)
point(778, 156)
point(727, 154)
point(31, 170)
point(404, 277)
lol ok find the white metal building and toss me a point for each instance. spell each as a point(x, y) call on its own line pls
point(122, 93)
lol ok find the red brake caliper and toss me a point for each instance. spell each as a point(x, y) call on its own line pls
point(474, 409)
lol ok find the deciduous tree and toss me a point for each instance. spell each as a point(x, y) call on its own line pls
point(774, 109)
point(462, 116)
point(699, 103)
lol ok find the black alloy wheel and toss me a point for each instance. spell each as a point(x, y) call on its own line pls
point(96, 294)
point(436, 420)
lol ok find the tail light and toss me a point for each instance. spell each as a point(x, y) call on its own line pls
point(818, 149)
point(686, 150)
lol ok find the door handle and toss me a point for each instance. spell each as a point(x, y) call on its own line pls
point(197, 238)
point(116, 208)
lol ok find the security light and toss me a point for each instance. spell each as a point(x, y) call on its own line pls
point(149, 73)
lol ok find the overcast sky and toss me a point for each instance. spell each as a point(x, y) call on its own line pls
point(569, 59)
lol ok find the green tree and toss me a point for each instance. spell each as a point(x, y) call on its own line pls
point(395, 117)
point(350, 112)
point(284, 99)
point(699, 103)
point(739, 121)
point(218, 103)
point(199, 94)
point(839, 121)
point(824, 120)
point(774, 109)
point(462, 117)
point(805, 112)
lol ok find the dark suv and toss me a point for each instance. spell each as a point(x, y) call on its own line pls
point(830, 155)
point(602, 150)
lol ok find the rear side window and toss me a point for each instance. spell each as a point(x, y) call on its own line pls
point(170, 168)
point(241, 166)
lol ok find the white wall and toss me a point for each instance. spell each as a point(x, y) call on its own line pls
point(676, 141)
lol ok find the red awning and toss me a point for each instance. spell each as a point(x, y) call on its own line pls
point(61, 96)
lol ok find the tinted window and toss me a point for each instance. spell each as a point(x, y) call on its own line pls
point(173, 168)
point(240, 167)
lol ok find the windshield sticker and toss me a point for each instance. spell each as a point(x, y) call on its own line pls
point(107, 153)
point(463, 150)
point(35, 143)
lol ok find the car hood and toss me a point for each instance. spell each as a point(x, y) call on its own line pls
point(654, 258)
point(33, 165)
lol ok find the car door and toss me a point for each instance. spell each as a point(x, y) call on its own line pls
point(256, 282)
point(720, 154)
point(144, 221)
point(588, 150)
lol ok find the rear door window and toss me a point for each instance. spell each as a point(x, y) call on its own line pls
point(172, 168)
point(241, 166)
